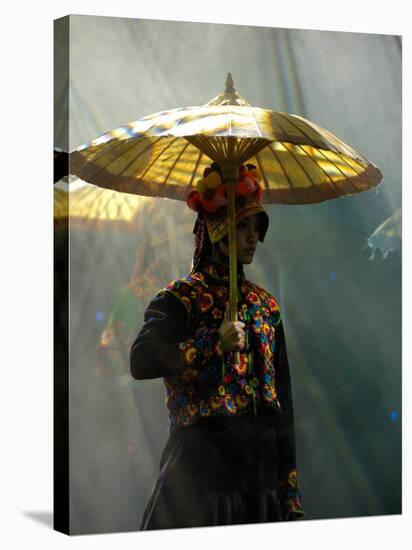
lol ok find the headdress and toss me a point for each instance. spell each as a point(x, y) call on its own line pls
point(209, 200)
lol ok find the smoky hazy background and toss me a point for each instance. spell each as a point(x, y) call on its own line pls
point(338, 281)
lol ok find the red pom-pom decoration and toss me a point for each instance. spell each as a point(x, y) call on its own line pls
point(259, 193)
point(220, 195)
point(193, 200)
point(214, 198)
point(209, 206)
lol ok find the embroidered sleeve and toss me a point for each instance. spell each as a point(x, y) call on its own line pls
point(205, 345)
point(162, 347)
point(275, 311)
point(289, 493)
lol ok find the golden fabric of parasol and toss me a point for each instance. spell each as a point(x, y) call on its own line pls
point(165, 153)
point(92, 207)
point(86, 206)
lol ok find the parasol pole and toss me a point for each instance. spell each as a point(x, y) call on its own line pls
point(230, 178)
point(171, 232)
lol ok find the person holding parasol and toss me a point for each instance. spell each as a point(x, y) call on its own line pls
point(230, 455)
point(216, 338)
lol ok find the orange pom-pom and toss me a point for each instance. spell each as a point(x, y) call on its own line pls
point(213, 180)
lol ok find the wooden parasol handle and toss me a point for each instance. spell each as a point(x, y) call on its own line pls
point(230, 178)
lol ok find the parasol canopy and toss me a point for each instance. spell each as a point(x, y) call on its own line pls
point(165, 153)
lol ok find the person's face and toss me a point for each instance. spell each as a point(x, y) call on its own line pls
point(247, 236)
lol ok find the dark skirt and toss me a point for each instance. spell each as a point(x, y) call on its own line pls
point(219, 471)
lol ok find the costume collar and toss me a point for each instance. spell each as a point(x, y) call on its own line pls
point(219, 271)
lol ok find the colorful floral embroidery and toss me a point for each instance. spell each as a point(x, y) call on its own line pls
point(230, 405)
point(215, 403)
point(243, 365)
point(224, 387)
point(192, 409)
point(217, 314)
point(289, 495)
point(242, 401)
point(253, 298)
point(273, 305)
point(269, 392)
point(189, 351)
point(198, 276)
point(204, 409)
point(266, 329)
point(205, 302)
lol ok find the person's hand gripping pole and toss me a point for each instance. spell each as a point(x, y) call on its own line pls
point(231, 333)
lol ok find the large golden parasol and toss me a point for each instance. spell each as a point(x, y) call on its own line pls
point(165, 153)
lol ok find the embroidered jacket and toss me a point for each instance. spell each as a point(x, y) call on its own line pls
point(180, 342)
